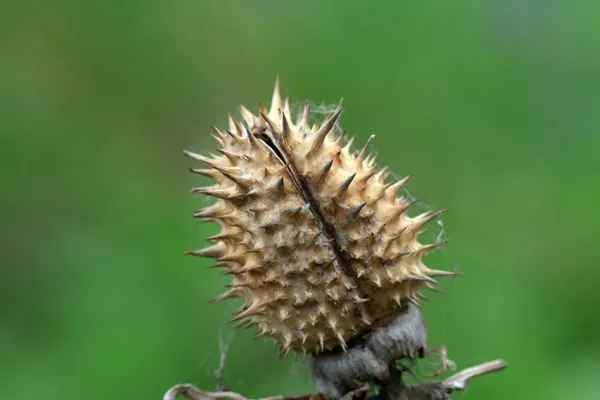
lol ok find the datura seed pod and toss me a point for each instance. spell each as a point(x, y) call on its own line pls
point(317, 241)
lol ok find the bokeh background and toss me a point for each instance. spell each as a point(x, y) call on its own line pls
point(494, 106)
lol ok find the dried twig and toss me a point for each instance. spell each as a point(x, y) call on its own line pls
point(459, 381)
point(425, 391)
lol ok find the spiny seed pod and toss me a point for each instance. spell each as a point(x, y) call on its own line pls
point(318, 243)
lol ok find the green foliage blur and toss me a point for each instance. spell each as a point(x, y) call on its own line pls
point(493, 106)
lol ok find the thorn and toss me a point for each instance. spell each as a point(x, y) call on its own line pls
point(324, 172)
point(367, 177)
point(274, 129)
point(325, 129)
point(363, 151)
point(230, 294)
point(286, 107)
point(228, 174)
point(356, 211)
point(396, 186)
point(233, 157)
point(321, 340)
point(415, 302)
point(222, 236)
point(276, 102)
point(218, 193)
point(359, 299)
point(196, 157)
point(285, 128)
point(233, 136)
point(209, 212)
point(251, 137)
point(234, 125)
point(303, 336)
point(252, 310)
point(426, 278)
point(247, 115)
point(437, 272)
point(426, 249)
point(342, 341)
point(279, 185)
point(344, 185)
point(406, 206)
point(239, 258)
point(304, 121)
point(215, 251)
point(430, 286)
point(381, 175)
point(424, 218)
point(244, 324)
point(211, 173)
point(348, 145)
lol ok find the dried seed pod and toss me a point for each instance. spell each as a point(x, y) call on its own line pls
point(318, 244)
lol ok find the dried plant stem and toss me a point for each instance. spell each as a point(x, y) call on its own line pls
point(390, 391)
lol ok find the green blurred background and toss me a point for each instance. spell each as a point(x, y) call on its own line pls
point(494, 106)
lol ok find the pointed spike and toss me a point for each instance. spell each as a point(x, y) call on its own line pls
point(222, 236)
point(196, 157)
point(396, 186)
point(272, 126)
point(215, 251)
point(233, 135)
point(285, 129)
point(218, 132)
point(234, 125)
point(303, 336)
point(233, 157)
point(211, 173)
point(327, 127)
point(212, 211)
point(276, 102)
point(286, 107)
point(363, 151)
point(279, 185)
point(245, 324)
point(230, 294)
point(354, 214)
point(251, 137)
point(304, 122)
point(239, 258)
point(321, 336)
point(348, 147)
point(426, 249)
point(415, 302)
point(429, 286)
point(424, 218)
point(426, 278)
point(252, 310)
point(381, 175)
point(228, 173)
point(344, 185)
point(368, 176)
point(341, 341)
point(437, 272)
point(247, 115)
point(223, 194)
point(324, 172)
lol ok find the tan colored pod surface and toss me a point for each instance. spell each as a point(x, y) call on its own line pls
point(317, 242)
